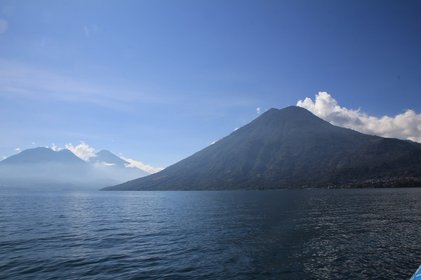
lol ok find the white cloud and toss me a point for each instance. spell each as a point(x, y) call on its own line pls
point(54, 147)
point(83, 150)
point(406, 125)
point(107, 163)
point(258, 110)
point(19, 80)
point(86, 152)
point(142, 166)
point(4, 25)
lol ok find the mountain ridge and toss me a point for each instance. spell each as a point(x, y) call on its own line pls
point(290, 148)
point(51, 169)
point(105, 156)
point(42, 154)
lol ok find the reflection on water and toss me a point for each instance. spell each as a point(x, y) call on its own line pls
point(303, 234)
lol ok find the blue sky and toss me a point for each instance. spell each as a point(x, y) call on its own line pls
point(159, 80)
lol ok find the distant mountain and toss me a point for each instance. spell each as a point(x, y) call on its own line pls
point(115, 167)
point(107, 158)
point(43, 168)
point(43, 155)
point(291, 148)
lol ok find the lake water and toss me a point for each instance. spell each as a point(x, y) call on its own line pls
point(302, 234)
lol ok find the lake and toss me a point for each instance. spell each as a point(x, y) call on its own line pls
point(285, 234)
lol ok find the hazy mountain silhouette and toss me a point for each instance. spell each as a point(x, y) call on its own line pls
point(106, 157)
point(43, 168)
point(291, 148)
point(43, 155)
point(115, 167)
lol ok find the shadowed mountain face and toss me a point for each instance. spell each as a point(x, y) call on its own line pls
point(290, 148)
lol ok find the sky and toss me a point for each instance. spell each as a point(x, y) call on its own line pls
point(158, 80)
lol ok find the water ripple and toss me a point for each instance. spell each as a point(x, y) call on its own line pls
point(306, 234)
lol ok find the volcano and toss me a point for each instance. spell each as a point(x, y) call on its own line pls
point(291, 148)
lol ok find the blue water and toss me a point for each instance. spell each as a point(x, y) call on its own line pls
point(303, 234)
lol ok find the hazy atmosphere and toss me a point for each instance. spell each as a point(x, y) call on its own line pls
point(210, 139)
point(156, 81)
